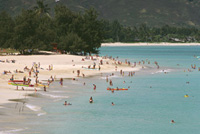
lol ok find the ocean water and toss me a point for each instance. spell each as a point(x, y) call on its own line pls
point(153, 99)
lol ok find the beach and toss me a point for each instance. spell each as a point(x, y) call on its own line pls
point(64, 66)
point(164, 87)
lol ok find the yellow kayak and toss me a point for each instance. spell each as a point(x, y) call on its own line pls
point(186, 95)
point(41, 85)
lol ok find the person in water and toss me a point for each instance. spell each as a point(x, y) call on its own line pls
point(67, 103)
point(45, 88)
point(94, 86)
point(172, 121)
point(91, 100)
point(112, 103)
point(61, 81)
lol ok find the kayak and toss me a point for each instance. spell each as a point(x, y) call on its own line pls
point(186, 95)
point(15, 81)
point(25, 85)
point(41, 85)
point(117, 89)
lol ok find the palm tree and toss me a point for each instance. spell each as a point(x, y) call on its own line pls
point(42, 8)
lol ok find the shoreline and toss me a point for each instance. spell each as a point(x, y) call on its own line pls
point(149, 44)
point(64, 66)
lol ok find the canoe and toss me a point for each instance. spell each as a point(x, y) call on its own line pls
point(41, 85)
point(16, 81)
point(25, 85)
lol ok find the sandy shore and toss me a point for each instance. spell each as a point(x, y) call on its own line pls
point(64, 66)
point(150, 44)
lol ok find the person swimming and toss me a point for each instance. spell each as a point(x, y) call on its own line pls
point(172, 121)
point(67, 103)
point(94, 86)
point(112, 103)
point(91, 100)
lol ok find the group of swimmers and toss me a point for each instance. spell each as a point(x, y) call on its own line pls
point(90, 101)
point(67, 103)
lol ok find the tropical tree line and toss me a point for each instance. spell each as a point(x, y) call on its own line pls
point(35, 29)
point(78, 33)
point(115, 32)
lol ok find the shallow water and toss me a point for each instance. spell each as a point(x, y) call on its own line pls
point(152, 101)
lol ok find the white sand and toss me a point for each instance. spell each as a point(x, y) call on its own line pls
point(150, 44)
point(63, 67)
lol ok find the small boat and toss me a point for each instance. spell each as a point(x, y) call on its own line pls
point(41, 85)
point(16, 81)
point(186, 96)
point(20, 84)
point(117, 88)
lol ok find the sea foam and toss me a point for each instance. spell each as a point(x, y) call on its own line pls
point(33, 107)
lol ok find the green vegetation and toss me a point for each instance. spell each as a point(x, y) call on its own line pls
point(154, 13)
point(78, 32)
point(115, 32)
point(34, 29)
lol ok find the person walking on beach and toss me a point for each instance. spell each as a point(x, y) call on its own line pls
point(78, 73)
point(30, 73)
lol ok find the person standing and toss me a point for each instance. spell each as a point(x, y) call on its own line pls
point(61, 81)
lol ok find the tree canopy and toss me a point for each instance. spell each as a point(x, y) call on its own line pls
point(78, 33)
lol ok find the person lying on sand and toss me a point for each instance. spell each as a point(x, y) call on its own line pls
point(6, 72)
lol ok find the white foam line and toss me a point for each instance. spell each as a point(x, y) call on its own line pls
point(40, 114)
point(162, 71)
point(34, 108)
point(115, 76)
point(54, 96)
point(11, 131)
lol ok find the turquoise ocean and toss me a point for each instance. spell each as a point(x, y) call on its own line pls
point(152, 101)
